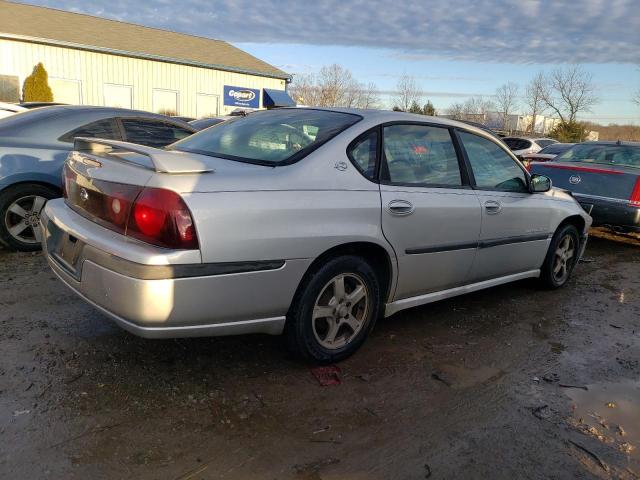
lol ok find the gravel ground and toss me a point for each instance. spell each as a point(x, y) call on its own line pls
point(512, 382)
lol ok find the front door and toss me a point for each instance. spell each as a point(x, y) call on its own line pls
point(430, 215)
point(514, 236)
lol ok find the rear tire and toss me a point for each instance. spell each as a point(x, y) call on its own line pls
point(334, 310)
point(561, 258)
point(20, 207)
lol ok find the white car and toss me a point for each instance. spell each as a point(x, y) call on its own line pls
point(8, 109)
point(523, 145)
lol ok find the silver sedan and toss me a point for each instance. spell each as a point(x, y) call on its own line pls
point(309, 222)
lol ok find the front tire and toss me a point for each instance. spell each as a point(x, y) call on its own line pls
point(561, 258)
point(334, 310)
point(20, 208)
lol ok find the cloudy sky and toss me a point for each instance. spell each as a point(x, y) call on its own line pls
point(455, 48)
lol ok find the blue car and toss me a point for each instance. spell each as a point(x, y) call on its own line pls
point(604, 177)
point(35, 144)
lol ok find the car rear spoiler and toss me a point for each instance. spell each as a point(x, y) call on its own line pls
point(161, 161)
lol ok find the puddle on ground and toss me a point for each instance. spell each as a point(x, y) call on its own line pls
point(540, 329)
point(457, 376)
point(611, 413)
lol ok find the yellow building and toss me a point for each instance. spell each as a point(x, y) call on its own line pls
point(94, 61)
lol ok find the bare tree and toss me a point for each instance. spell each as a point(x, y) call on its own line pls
point(506, 101)
point(568, 92)
point(476, 109)
point(636, 99)
point(333, 86)
point(455, 111)
point(304, 89)
point(407, 92)
point(367, 96)
point(533, 98)
point(334, 83)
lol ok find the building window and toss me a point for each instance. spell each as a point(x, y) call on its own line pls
point(9, 88)
point(206, 105)
point(165, 101)
point(119, 96)
point(65, 90)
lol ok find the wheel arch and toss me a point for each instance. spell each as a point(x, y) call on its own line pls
point(575, 220)
point(40, 182)
point(379, 257)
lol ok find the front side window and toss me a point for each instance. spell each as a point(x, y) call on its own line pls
point(106, 129)
point(492, 167)
point(152, 133)
point(420, 155)
point(275, 137)
point(623, 155)
point(364, 153)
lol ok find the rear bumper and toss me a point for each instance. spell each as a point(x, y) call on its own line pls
point(611, 212)
point(170, 300)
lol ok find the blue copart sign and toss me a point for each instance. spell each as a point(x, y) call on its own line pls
point(241, 97)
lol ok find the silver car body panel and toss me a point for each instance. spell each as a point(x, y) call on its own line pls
point(292, 215)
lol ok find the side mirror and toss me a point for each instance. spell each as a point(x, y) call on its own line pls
point(539, 183)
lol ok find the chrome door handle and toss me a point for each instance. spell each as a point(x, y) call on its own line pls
point(400, 207)
point(492, 207)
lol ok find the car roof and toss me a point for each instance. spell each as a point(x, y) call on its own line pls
point(612, 142)
point(382, 116)
point(57, 119)
point(528, 138)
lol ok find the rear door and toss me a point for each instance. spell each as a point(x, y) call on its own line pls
point(515, 230)
point(430, 214)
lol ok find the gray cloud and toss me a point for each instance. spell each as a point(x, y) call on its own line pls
point(514, 31)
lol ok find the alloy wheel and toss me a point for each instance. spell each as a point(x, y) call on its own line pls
point(340, 311)
point(563, 259)
point(22, 219)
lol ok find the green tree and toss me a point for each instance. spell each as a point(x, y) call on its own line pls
point(569, 132)
point(429, 109)
point(415, 108)
point(36, 86)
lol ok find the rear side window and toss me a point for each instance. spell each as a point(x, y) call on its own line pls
point(492, 167)
point(419, 155)
point(364, 154)
point(106, 129)
point(152, 133)
point(517, 143)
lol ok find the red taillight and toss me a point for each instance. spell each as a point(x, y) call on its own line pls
point(162, 218)
point(634, 200)
point(68, 176)
point(153, 215)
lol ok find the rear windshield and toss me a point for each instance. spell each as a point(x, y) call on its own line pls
point(517, 143)
point(275, 137)
point(544, 142)
point(556, 148)
point(623, 155)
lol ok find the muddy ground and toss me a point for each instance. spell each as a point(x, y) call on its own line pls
point(512, 382)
